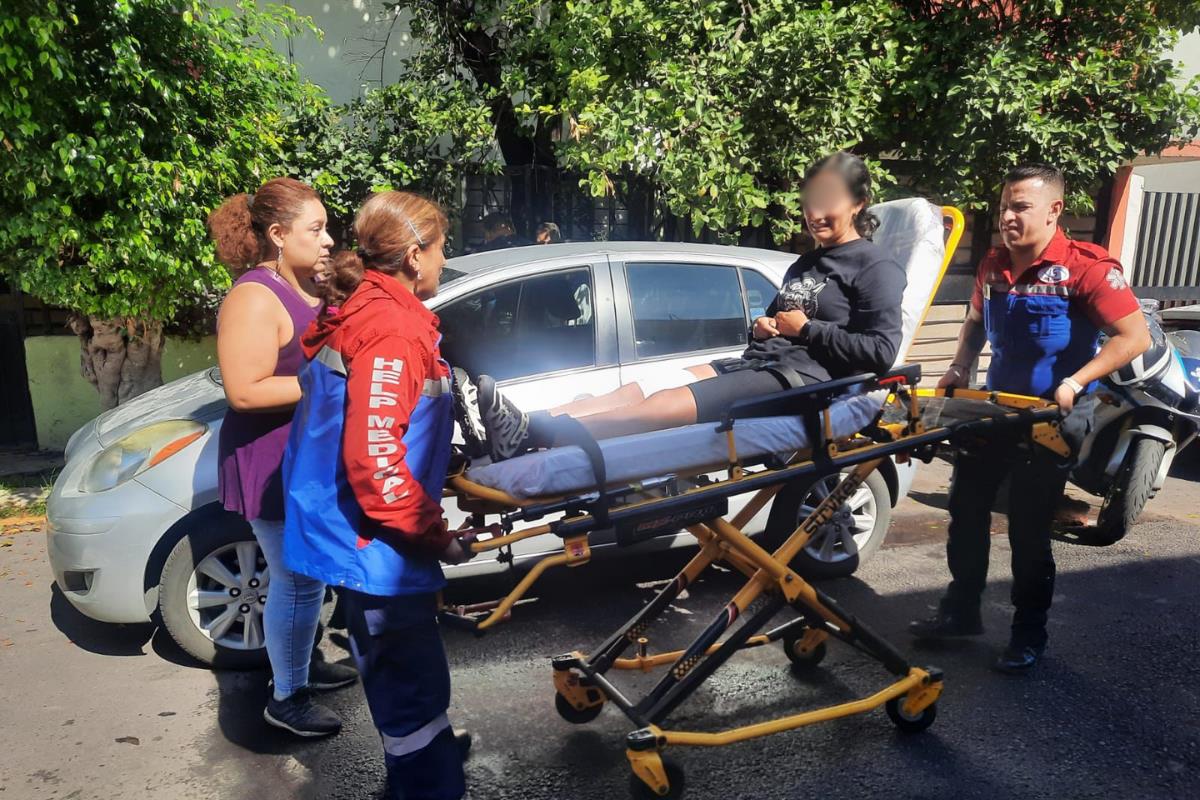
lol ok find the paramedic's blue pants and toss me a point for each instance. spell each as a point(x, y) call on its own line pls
point(398, 647)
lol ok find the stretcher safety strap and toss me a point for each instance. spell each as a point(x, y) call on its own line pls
point(418, 739)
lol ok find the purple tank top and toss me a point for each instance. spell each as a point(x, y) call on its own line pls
point(250, 452)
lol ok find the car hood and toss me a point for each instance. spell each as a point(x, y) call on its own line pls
point(198, 396)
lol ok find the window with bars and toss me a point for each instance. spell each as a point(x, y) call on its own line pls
point(1167, 258)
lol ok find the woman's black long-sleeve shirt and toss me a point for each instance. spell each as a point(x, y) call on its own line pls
point(852, 295)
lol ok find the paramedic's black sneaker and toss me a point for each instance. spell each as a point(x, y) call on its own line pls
point(326, 675)
point(463, 739)
point(507, 426)
point(302, 716)
point(1019, 658)
point(466, 412)
point(947, 624)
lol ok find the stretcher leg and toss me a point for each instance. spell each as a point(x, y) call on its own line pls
point(582, 687)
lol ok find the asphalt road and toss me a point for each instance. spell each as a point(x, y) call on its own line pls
point(115, 712)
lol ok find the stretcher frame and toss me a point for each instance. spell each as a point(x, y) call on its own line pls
point(581, 683)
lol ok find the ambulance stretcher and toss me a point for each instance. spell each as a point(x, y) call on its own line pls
point(658, 483)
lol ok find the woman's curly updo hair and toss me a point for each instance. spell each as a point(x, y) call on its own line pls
point(854, 174)
point(239, 225)
point(387, 225)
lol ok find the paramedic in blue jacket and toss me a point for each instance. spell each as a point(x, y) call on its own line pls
point(1041, 302)
point(364, 470)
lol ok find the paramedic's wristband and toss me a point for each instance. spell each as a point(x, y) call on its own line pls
point(1072, 384)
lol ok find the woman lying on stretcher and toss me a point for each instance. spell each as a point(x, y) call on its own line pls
point(837, 314)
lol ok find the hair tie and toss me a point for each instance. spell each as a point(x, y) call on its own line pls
point(362, 254)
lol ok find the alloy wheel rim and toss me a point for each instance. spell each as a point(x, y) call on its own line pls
point(830, 544)
point(227, 593)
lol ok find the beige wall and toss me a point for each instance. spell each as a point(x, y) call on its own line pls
point(63, 400)
point(1187, 52)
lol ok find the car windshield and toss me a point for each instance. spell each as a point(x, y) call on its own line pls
point(450, 275)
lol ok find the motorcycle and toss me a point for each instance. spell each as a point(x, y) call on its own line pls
point(1147, 413)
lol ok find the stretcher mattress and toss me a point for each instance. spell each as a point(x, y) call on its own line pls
point(688, 450)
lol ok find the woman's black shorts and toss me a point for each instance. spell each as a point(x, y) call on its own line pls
point(736, 379)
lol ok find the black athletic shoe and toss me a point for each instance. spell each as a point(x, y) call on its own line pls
point(463, 739)
point(1019, 658)
point(302, 716)
point(506, 426)
point(466, 413)
point(326, 675)
point(947, 624)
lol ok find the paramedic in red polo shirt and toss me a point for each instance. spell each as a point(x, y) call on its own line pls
point(1041, 302)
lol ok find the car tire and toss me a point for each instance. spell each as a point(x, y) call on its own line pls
point(826, 556)
point(193, 576)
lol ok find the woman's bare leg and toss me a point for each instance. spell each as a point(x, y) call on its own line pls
point(628, 395)
point(669, 408)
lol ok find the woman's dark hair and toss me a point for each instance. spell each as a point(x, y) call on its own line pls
point(386, 226)
point(854, 174)
point(239, 225)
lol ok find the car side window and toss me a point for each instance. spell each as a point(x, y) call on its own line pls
point(759, 293)
point(680, 308)
point(544, 323)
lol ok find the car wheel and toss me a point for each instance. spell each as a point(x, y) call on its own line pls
point(213, 591)
point(845, 542)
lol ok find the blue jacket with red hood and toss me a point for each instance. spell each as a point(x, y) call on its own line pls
point(369, 446)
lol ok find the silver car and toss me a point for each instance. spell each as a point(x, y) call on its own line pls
point(135, 528)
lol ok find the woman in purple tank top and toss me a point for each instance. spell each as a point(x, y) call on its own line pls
point(276, 239)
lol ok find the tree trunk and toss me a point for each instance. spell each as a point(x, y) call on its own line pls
point(121, 358)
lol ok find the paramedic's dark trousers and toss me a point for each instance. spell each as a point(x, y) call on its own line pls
point(398, 647)
point(1038, 478)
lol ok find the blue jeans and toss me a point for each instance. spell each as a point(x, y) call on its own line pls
point(292, 613)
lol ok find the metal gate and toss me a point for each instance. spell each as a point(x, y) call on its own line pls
point(1167, 261)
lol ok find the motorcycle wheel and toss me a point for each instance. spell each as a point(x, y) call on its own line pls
point(1131, 490)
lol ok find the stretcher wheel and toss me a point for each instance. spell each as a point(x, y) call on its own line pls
point(575, 716)
point(906, 723)
point(802, 661)
point(640, 791)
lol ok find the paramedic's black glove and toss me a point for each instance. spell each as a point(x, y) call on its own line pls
point(456, 553)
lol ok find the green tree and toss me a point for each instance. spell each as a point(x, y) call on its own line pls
point(413, 134)
point(713, 107)
point(122, 123)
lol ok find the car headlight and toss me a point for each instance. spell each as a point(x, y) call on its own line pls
point(138, 452)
